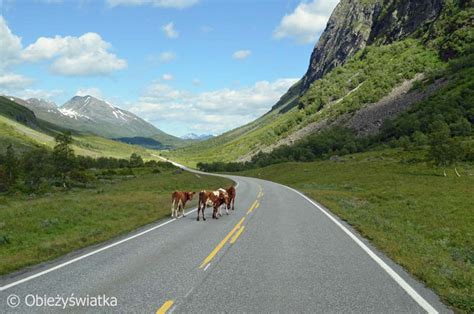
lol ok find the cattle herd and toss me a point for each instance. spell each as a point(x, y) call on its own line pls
point(215, 199)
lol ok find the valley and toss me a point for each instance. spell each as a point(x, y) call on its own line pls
point(379, 130)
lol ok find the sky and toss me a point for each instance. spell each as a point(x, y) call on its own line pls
point(186, 66)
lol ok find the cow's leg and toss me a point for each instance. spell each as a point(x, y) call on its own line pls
point(172, 209)
point(226, 209)
point(180, 207)
point(182, 210)
point(202, 212)
point(199, 209)
point(233, 203)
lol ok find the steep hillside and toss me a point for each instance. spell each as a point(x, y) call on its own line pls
point(371, 52)
point(88, 114)
point(14, 111)
point(356, 24)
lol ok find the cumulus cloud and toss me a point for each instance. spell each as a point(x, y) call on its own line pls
point(169, 30)
point(39, 93)
point(216, 111)
point(163, 57)
point(90, 91)
point(11, 45)
point(176, 4)
point(87, 55)
point(11, 80)
point(306, 21)
point(167, 77)
point(241, 54)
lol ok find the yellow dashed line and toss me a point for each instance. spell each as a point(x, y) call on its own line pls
point(165, 307)
point(236, 236)
point(221, 244)
point(252, 207)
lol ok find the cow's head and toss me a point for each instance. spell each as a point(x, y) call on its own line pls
point(190, 195)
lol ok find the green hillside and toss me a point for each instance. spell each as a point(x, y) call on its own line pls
point(20, 127)
point(366, 78)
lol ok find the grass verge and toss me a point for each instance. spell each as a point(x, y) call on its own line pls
point(38, 228)
point(419, 218)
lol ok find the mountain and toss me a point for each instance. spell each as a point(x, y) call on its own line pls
point(91, 115)
point(194, 136)
point(20, 127)
point(376, 60)
point(354, 25)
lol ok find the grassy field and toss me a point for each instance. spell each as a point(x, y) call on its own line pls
point(38, 228)
point(422, 220)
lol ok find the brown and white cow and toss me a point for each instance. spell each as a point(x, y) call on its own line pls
point(224, 193)
point(232, 194)
point(216, 198)
point(179, 200)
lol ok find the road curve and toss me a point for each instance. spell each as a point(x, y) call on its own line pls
point(277, 252)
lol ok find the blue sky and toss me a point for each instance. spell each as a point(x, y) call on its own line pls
point(183, 65)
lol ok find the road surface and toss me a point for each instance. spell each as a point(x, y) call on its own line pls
point(277, 252)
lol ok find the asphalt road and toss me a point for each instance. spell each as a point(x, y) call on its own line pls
point(277, 252)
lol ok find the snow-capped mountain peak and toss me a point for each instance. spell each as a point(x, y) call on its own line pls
point(194, 136)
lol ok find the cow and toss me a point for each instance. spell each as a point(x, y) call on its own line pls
point(232, 194)
point(179, 200)
point(224, 193)
point(216, 197)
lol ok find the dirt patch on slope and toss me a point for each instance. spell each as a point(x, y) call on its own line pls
point(366, 121)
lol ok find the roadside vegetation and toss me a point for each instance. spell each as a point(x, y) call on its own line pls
point(409, 210)
point(54, 202)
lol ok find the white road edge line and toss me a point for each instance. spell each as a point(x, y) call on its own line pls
point(5, 287)
point(207, 266)
point(399, 280)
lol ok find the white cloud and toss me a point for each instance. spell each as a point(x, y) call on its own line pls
point(11, 80)
point(39, 93)
point(86, 55)
point(10, 45)
point(163, 57)
point(177, 4)
point(90, 91)
point(196, 82)
point(216, 111)
point(241, 54)
point(167, 77)
point(306, 21)
point(169, 30)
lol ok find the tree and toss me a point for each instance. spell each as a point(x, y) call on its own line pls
point(63, 156)
point(10, 167)
point(37, 166)
point(444, 151)
point(136, 161)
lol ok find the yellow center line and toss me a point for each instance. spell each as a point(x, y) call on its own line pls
point(236, 236)
point(221, 244)
point(251, 207)
point(256, 206)
point(165, 307)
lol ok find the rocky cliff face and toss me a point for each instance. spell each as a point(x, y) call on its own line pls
point(355, 24)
